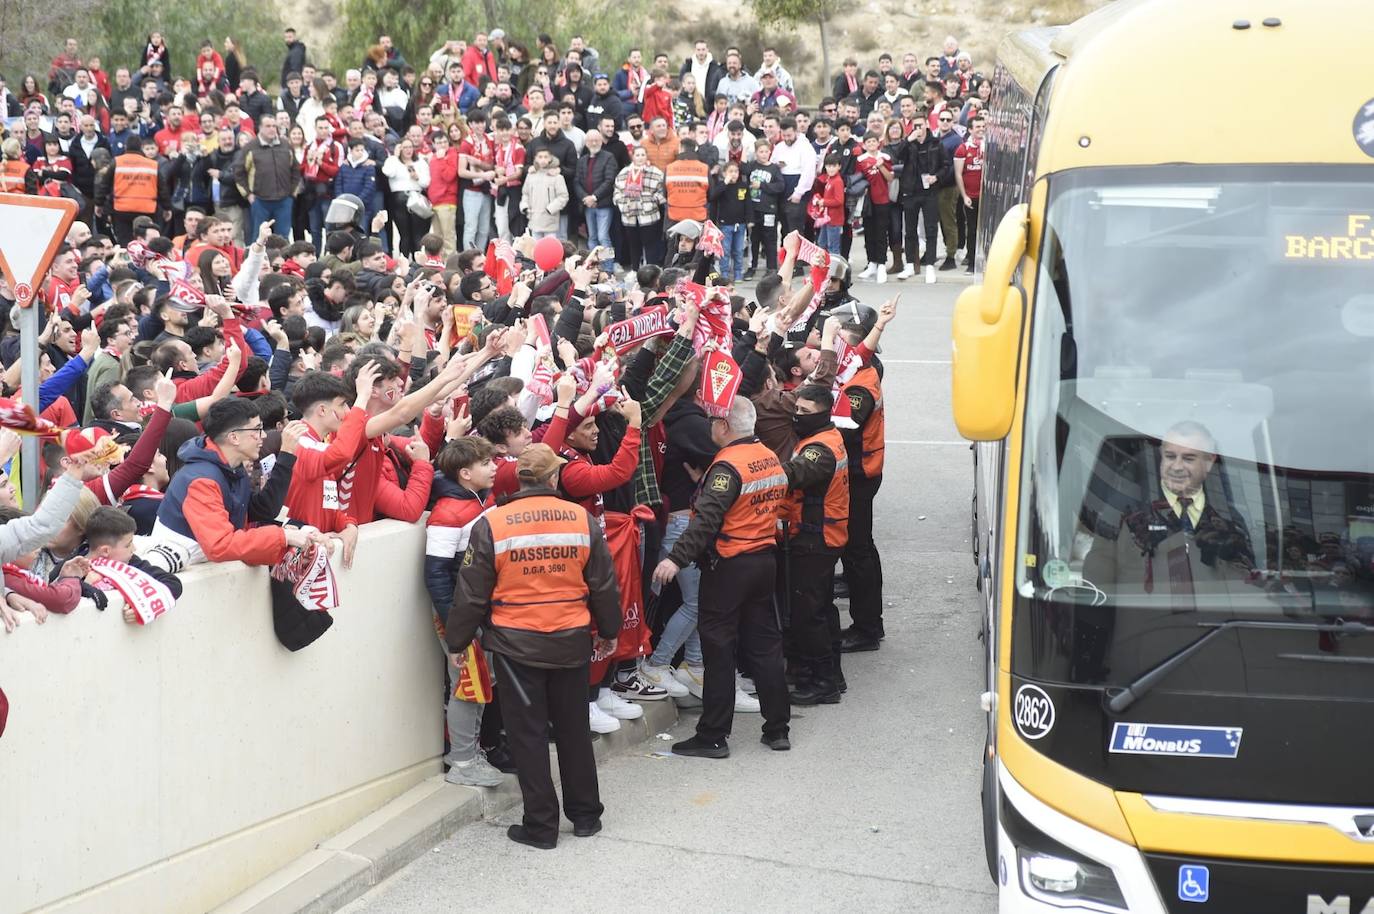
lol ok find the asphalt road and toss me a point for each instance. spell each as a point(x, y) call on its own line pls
point(876, 806)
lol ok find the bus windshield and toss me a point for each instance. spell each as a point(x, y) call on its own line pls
point(1199, 430)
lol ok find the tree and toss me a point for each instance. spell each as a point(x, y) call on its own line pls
point(610, 26)
point(254, 25)
point(32, 33)
point(795, 12)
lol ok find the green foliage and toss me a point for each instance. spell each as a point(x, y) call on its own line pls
point(612, 27)
point(793, 12)
point(32, 33)
point(120, 29)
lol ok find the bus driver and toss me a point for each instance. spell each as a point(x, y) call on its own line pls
point(1181, 542)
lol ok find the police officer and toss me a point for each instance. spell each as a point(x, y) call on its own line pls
point(863, 568)
point(815, 528)
point(537, 576)
point(733, 536)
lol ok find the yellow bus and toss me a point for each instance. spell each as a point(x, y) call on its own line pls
point(1168, 371)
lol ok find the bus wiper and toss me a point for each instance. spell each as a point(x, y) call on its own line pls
point(1146, 681)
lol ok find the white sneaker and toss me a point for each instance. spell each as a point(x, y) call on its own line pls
point(745, 704)
point(907, 272)
point(662, 677)
point(693, 677)
point(475, 772)
point(869, 271)
point(600, 721)
point(745, 684)
point(618, 707)
point(930, 274)
point(882, 274)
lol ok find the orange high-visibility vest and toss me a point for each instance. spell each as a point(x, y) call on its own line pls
point(542, 544)
point(834, 504)
point(685, 183)
point(751, 524)
point(12, 176)
point(874, 431)
point(135, 184)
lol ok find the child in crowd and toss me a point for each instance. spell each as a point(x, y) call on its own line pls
point(462, 485)
point(544, 196)
point(765, 197)
point(830, 190)
point(729, 203)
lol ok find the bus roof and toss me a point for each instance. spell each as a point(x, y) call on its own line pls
point(1145, 82)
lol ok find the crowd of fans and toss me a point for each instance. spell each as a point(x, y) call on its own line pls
point(202, 400)
point(469, 145)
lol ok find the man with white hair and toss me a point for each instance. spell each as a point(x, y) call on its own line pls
point(733, 538)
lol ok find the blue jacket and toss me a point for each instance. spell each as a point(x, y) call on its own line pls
point(359, 180)
point(211, 503)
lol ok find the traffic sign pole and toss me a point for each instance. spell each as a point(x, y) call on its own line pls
point(31, 230)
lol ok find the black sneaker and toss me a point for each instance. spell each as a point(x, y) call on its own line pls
point(499, 758)
point(748, 274)
point(841, 589)
point(969, 269)
point(586, 829)
point(520, 835)
point(697, 747)
point(855, 643)
point(816, 692)
point(776, 743)
point(948, 264)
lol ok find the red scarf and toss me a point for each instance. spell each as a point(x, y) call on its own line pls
point(141, 491)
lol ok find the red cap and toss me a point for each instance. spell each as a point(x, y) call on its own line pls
point(99, 440)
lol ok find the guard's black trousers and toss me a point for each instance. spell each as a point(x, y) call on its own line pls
point(809, 629)
point(736, 620)
point(863, 569)
point(532, 698)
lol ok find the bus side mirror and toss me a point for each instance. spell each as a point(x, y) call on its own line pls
point(987, 336)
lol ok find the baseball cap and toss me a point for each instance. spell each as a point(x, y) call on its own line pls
point(99, 442)
point(497, 33)
point(600, 76)
point(537, 463)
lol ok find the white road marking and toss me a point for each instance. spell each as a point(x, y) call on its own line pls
point(927, 443)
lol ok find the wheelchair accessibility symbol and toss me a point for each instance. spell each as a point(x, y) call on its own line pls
point(1193, 883)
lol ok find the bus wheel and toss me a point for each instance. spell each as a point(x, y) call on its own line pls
point(990, 797)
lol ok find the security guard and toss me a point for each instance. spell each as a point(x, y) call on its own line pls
point(815, 528)
point(733, 535)
point(130, 191)
point(536, 576)
point(863, 568)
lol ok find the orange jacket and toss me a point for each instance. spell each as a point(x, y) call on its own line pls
point(751, 523)
point(686, 182)
point(541, 545)
point(873, 432)
point(828, 513)
point(135, 184)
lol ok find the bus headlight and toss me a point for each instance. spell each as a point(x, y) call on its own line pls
point(1051, 872)
point(1075, 882)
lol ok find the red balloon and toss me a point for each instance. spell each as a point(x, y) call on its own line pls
point(548, 253)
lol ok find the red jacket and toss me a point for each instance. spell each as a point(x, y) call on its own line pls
point(658, 102)
point(477, 64)
point(322, 173)
point(832, 194)
point(443, 179)
point(584, 482)
point(313, 497)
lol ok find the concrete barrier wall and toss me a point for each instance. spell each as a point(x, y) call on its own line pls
point(169, 767)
